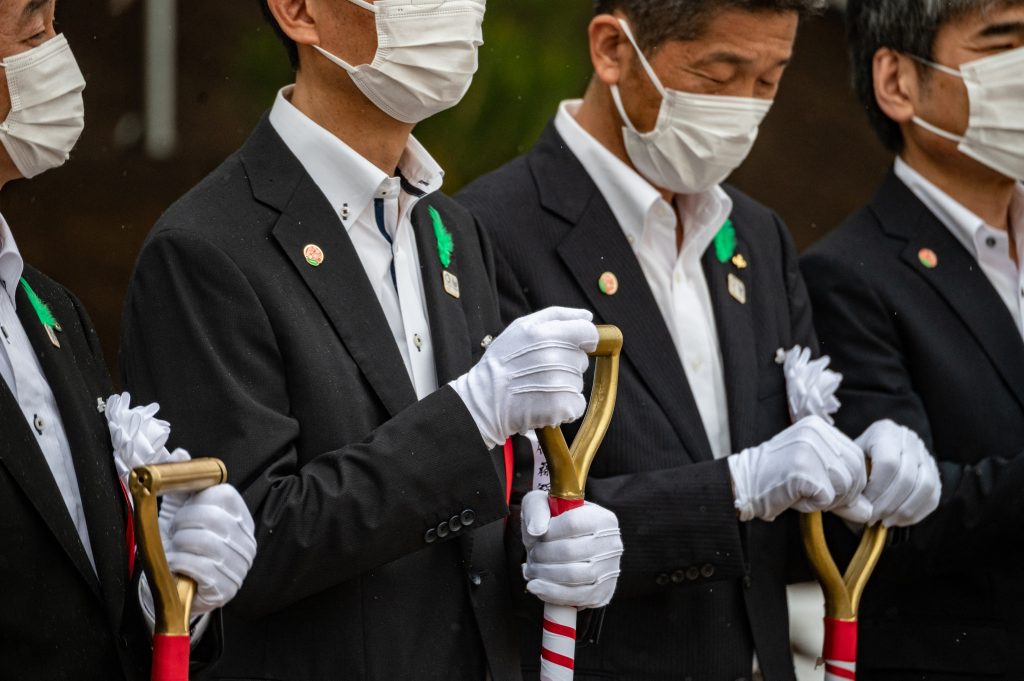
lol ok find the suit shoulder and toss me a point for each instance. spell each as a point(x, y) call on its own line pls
point(218, 207)
point(494, 197)
point(858, 234)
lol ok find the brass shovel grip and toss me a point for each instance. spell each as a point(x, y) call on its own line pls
point(570, 467)
point(172, 594)
point(842, 591)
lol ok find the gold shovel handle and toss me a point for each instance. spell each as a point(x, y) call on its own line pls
point(570, 467)
point(842, 591)
point(172, 594)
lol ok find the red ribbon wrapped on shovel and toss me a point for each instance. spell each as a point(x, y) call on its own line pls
point(569, 469)
point(172, 594)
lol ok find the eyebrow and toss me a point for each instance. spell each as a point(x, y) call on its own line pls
point(1007, 28)
point(733, 59)
point(33, 7)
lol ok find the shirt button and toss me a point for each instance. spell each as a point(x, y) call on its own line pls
point(990, 242)
point(631, 239)
point(40, 424)
point(417, 341)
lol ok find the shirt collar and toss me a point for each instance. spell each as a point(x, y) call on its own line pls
point(349, 181)
point(11, 264)
point(967, 227)
point(630, 196)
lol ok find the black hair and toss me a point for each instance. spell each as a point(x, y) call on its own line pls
point(656, 21)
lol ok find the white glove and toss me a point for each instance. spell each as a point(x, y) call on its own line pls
point(138, 437)
point(810, 385)
point(571, 559)
point(531, 375)
point(209, 537)
point(904, 485)
point(809, 467)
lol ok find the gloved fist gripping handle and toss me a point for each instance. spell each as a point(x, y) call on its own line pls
point(808, 467)
point(904, 486)
point(571, 559)
point(531, 375)
point(209, 536)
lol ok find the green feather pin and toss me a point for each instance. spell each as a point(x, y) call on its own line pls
point(725, 242)
point(42, 311)
point(445, 242)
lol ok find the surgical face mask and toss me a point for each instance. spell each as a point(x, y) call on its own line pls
point(426, 56)
point(698, 141)
point(995, 129)
point(47, 113)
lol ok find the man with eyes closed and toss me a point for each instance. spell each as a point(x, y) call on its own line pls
point(619, 209)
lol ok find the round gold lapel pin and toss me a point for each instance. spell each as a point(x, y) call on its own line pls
point(313, 254)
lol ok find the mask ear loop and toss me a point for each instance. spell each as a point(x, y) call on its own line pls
point(616, 95)
point(934, 129)
point(365, 5)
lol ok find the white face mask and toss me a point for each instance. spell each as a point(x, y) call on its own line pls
point(426, 55)
point(47, 113)
point(698, 141)
point(995, 129)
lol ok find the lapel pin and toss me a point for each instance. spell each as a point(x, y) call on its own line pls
point(344, 211)
point(451, 284)
point(737, 289)
point(725, 242)
point(46, 317)
point(486, 342)
point(928, 258)
point(608, 283)
point(740, 262)
point(313, 254)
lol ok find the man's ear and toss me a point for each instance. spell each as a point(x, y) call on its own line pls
point(896, 85)
point(296, 20)
point(610, 49)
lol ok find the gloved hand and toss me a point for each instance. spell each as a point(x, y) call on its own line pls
point(531, 375)
point(809, 467)
point(904, 485)
point(138, 437)
point(209, 537)
point(571, 559)
point(810, 385)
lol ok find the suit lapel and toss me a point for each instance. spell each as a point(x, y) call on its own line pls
point(958, 279)
point(339, 284)
point(597, 245)
point(736, 340)
point(90, 451)
point(448, 329)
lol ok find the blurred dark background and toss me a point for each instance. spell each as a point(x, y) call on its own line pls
point(83, 225)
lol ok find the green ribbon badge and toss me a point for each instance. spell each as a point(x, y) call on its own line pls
point(445, 242)
point(725, 242)
point(46, 317)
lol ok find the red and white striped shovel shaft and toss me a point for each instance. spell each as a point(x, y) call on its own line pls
point(840, 652)
point(558, 643)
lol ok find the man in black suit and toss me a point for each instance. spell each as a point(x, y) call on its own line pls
point(328, 319)
point(917, 298)
point(618, 209)
point(71, 602)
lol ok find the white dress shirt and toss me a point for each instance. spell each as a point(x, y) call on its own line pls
point(986, 244)
point(675, 277)
point(23, 374)
point(355, 188)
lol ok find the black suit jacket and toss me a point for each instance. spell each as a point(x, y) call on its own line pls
point(291, 375)
point(936, 350)
point(61, 619)
point(699, 591)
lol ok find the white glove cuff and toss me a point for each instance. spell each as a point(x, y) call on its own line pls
point(739, 469)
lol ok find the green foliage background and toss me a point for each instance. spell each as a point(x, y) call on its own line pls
point(535, 55)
